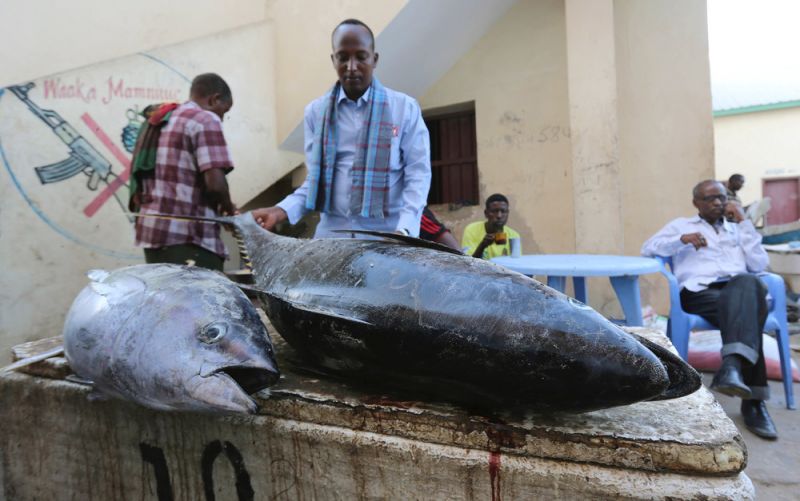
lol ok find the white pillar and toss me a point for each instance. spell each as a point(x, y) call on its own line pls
point(592, 83)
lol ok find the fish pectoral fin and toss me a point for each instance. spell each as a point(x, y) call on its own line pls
point(74, 378)
point(53, 352)
point(328, 312)
point(415, 242)
point(310, 308)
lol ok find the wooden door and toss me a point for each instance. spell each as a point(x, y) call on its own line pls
point(785, 195)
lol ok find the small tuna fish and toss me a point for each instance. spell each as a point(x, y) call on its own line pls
point(170, 337)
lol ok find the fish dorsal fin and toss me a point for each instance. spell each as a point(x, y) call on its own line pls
point(117, 289)
point(416, 242)
point(97, 275)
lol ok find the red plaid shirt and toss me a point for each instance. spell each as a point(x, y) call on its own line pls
point(191, 143)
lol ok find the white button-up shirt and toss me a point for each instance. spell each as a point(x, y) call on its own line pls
point(732, 249)
point(409, 166)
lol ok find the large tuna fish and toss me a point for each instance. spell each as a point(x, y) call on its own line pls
point(416, 315)
point(170, 337)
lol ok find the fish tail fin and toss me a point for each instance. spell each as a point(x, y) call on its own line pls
point(683, 379)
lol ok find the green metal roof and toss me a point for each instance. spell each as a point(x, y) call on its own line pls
point(756, 108)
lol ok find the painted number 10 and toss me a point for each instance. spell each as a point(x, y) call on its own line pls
point(155, 456)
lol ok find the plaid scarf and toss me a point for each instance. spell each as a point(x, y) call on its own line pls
point(370, 171)
point(143, 162)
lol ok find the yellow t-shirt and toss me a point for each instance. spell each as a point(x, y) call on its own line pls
point(474, 233)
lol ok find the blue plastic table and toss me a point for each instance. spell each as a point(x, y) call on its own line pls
point(623, 271)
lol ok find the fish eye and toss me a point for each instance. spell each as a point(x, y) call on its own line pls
point(212, 332)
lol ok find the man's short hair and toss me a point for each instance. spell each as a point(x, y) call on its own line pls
point(735, 177)
point(497, 197)
point(698, 188)
point(355, 22)
point(209, 84)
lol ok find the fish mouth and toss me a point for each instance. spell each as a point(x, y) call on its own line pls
point(228, 389)
point(251, 379)
point(683, 379)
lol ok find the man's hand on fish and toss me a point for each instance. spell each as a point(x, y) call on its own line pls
point(268, 217)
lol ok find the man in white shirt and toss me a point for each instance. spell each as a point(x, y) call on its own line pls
point(367, 150)
point(715, 256)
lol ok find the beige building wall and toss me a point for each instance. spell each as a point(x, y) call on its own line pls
point(45, 37)
point(517, 77)
point(760, 145)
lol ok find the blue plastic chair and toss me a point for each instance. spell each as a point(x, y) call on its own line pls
point(681, 323)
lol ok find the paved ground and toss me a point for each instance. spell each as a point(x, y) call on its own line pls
point(773, 466)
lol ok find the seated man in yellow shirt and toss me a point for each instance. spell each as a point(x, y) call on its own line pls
point(490, 238)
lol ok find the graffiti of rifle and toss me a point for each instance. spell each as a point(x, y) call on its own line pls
point(82, 155)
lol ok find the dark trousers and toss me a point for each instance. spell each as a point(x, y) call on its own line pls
point(180, 254)
point(738, 308)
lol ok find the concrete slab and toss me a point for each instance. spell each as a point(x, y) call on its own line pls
point(320, 438)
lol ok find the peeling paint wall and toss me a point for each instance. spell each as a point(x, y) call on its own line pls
point(517, 76)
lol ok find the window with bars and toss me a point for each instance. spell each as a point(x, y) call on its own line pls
point(454, 161)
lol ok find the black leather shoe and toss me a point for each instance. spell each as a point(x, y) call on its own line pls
point(728, 381)
point(757, 419)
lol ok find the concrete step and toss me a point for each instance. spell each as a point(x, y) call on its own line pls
point(316, 437)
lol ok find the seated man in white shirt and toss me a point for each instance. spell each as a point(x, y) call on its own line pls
point(715, 255)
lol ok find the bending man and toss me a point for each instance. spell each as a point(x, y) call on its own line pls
point(367, 150)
